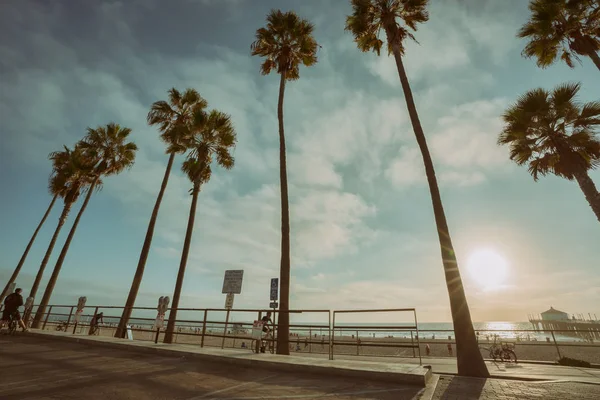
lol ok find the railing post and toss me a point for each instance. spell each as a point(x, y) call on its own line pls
point(418, 338)
point(203, 328)
point(258, 344)
point(69, 319)
point(412, 343)
point(310, 340)
point(331, 338)
point(46, 320)
point(556, 344)
point(357, 346)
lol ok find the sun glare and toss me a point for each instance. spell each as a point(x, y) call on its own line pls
point(488, 269)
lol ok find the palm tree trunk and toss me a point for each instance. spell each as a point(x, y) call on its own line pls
point(469, 359)
point(61, 258)
point(40, 273)
point(182, 265)
point(17, 270)
point(283, 325)
point(589, 191)
point(139, 272)
point(595, 58)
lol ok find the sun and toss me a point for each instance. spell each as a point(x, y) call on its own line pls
point(488, 269)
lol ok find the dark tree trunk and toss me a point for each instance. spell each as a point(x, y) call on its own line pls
point(595, 58)
point(40, 273)
point(61, 258)
point(469, 359)
point(17, 270)
point(139, 272)
point(283, 323)
point(182, 265)
point(589, 191)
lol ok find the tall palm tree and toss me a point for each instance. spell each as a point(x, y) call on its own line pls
point(286, 42)
point(70, 175)
point(368, 19)
point(107, 152)
point(173, 119)
point(564, 29)
point(553, 133)
point(214, 139)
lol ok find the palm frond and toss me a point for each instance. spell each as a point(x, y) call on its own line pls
point(552, 132)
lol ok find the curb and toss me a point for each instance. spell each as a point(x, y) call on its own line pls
point(282, 365)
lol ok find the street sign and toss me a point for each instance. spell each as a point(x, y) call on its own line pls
point(229, 301)
point(274, 289)
point(273, 304)
point(232, 283)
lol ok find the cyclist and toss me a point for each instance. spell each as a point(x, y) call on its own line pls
point(11, 309)
point(266, 329)
point(95, 321)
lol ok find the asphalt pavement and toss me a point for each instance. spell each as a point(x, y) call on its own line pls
point(34, 368)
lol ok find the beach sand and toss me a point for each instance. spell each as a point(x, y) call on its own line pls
point(375, 347)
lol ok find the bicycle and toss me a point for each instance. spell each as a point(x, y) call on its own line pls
point(266, 341)
point(62, 326)
point(95, 330)
point(12, 325)
point(503, 352)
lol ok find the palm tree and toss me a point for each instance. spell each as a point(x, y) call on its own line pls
point(173, 118)
point(70, 174)
point(368, 19)
point(106, 152)
point(553, 133)
point(286, 42)
point(562, 28)
point(214, 138)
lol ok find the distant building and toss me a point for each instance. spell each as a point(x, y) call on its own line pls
point(554, 315)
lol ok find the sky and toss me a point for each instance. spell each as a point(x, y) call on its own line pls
point(362, 229)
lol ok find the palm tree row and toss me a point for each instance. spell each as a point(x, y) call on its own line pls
point(550, 131)
point(186, 127)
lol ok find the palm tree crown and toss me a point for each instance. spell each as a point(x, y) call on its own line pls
point(369, 17)
point(552, 132)
point(561, 28)
point(213, 138)
point(108, 150)
point(175, 116)
point(71, 170)
point(286, 42)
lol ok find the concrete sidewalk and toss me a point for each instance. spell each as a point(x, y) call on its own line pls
point(369, 370)
point(523, 371)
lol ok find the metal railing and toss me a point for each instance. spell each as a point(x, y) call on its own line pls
point(366, 342)
point(329, 337)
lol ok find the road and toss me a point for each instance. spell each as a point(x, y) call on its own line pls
point(34, 368)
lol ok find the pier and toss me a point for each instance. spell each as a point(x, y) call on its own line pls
point(578, 325)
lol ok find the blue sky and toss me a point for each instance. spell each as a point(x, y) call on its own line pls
point(363, 234)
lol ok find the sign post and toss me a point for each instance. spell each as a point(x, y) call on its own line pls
point(80, 307)
point(163, 306)
point(274, 296)
point(228, 306)
point(232, 285)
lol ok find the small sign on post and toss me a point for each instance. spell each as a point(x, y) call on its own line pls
point(80, 307)
point(232, 283)
point(163, 306)
point(274, 289)
point(229, 301)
